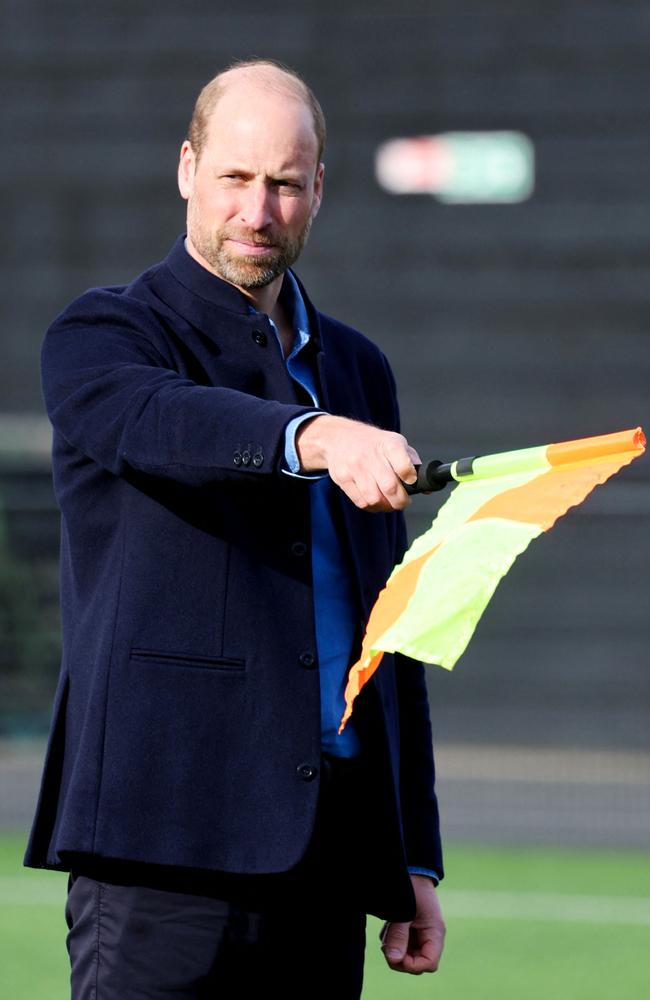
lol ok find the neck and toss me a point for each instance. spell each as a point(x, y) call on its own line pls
point(264, 299)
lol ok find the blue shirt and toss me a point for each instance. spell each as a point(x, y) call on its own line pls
point(334, 602)
point(333, 598)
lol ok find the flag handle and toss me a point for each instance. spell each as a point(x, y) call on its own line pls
point(432, 476)
point(435, 475)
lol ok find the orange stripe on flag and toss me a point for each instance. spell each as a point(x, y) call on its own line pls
point(395, 596)
point(544, 499)
point(593, 447)
point(359, 674)
point(394, 599)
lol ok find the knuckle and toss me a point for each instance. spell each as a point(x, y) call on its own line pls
point(389, 485)
point(393, 441)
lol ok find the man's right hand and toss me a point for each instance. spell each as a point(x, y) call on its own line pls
point(370, 465)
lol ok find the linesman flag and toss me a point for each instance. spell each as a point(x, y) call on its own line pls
point(434, 598)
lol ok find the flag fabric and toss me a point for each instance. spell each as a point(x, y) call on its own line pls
point(435, 597)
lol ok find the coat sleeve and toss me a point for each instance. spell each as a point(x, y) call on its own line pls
point(112, 394)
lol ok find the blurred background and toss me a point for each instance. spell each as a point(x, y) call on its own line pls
point(514, 314)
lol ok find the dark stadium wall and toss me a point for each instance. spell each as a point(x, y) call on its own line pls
point(507, 325)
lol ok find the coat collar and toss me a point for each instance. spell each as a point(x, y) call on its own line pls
point(204, 289)
point(198, 280)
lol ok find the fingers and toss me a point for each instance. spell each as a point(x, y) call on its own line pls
point(415, 460)
point(369, 464)
point(372, 484)
point(410, 949)
point(394, 943)
point(423, 954)
point(416, 947)
point(398, 454)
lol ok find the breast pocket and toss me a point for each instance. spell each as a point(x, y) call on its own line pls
point(166, 658)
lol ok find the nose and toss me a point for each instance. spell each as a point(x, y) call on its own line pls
point(256, 207)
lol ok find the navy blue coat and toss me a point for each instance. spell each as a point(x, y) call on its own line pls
point(186, 721)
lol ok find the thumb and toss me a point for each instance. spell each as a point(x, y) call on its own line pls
point(413, 455)
point(394, 942)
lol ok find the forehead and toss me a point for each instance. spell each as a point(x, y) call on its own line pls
point(266, 127)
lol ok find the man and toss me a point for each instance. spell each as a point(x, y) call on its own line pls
point(230, 474)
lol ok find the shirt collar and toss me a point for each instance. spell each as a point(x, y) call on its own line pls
point(294, 303)
point(295, 306)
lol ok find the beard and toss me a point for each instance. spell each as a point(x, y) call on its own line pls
point(239, 269)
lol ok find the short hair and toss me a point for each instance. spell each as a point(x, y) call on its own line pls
point(207, 101)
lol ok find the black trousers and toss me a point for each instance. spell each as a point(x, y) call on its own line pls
point(129, 942)
point(137, 932)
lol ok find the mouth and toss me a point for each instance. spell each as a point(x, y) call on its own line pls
point(250, 249)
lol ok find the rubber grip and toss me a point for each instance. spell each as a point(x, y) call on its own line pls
point(432, 476)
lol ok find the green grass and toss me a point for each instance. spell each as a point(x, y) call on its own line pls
point(33, 958)
point(532, 924)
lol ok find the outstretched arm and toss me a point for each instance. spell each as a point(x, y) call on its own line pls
point(369, 464)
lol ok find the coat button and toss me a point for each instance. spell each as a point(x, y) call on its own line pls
point(298, 549)
point(307, 659)
point(258, 458)
point(260, 337)
point(307, 772)
point(245, 457)
point(237, 458)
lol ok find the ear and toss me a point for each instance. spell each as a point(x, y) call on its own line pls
point(318, 189)
point(186, 169)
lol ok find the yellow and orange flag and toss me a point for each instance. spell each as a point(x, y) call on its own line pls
point(435, 597)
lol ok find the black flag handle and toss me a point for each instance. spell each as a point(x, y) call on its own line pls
point(432, 476)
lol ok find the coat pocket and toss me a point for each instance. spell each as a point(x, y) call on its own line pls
point(171, 659)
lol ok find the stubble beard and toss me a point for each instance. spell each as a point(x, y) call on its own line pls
point(242, 271)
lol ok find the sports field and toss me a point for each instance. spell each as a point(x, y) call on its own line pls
point(532, 924)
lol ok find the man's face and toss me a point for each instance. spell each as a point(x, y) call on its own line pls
point(256, 188)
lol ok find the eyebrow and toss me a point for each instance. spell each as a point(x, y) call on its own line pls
point(294, 176)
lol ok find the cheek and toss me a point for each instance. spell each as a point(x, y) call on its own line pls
point(215, 208)
point(294, 214)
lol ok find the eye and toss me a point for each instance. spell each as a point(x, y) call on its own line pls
point(293, 187)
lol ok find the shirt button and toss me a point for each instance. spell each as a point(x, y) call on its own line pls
point(307, 772)
point(258, 458)
point(298, 549)
point(245, 457)
point(260, 337)
point(307, 659)
point(237, 458)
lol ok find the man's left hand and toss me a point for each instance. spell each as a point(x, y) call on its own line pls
point(416, 947)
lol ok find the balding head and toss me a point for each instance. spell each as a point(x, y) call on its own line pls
point(255, 74)
point(257, 185)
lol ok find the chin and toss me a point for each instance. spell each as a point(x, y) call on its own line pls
point(247, 275)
